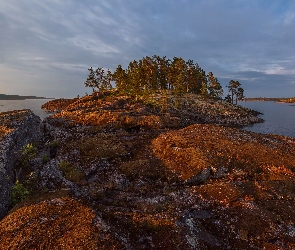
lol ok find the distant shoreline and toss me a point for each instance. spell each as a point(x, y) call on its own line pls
point(18, 97)
point(279, 100)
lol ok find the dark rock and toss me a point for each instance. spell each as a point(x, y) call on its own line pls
point(199, 213)
point(26, 129)
point(200, 178)
point(53, 152)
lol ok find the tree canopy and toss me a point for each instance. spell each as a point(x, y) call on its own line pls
point(236, 91)
point(158, 74)
point(98, 80)
point(152, 74)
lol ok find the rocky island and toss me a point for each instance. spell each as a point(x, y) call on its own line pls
point(107, 171)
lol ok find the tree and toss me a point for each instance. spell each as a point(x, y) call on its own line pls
point(214, 87)
point(104, 81)
point(195, 78)
point(121, 79)
point(204, 91)
point(236, 91)
point(240, 94)
point(135, 86)
point(91, 80)
point(192, 75)
point(155, 74)
point(109, 78)
point(148, 75)
point(228, 98)
point(99, 72)
point(152, 74)
point(163, 65)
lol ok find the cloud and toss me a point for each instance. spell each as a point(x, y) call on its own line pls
point(260, 84)
point(46, 45)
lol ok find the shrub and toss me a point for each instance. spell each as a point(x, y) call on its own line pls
point(45, 159)
point(28, 152)
point(18, 193)
point(53, 148)
point(53, 144)
point(71, 173)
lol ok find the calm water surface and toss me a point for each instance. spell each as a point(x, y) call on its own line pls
point(279, 118)
point(32, 104)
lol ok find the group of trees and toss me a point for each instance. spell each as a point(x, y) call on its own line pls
point(236, 92)
point(98, 80)
point(153, 74)
point(159, 74)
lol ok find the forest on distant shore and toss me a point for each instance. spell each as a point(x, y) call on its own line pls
point(272, 99)
point(18, 97)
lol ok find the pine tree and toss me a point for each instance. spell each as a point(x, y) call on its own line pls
point(134, 87)
point(228, 98)
point(214, 87)
point(240, 94)
point(121, 79)
point(99, 74)
point(152, 74)
point(109, 79)
point(91, 80)
point(204, 90)
point(162, 64)
point(104, 81)
point(236, 91)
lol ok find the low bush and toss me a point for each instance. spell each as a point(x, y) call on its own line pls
point(28, 152)
point(71, 173)
point(53, 144)
point(18, 193)
point(45, 159)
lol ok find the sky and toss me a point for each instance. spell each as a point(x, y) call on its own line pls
point(46, 46)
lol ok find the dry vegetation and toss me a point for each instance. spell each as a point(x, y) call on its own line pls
point(4, 130)
point(57, 105)
point(59, 223)
point(9, 119)
point(191, 150)
point(111, 111)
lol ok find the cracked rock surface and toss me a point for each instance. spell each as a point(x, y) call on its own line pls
point(17, 129)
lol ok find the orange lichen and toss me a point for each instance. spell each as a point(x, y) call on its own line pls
point(191, 150)
point(4, 130)
point(223, 193)
point(60, 223)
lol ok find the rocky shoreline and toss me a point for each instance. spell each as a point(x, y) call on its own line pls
point(111, 173)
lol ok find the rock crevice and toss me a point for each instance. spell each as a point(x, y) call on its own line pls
point(22, 127)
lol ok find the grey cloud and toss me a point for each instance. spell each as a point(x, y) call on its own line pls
point(258, 84)
point(52, 41)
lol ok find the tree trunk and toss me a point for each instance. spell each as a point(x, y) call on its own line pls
point(232, 96)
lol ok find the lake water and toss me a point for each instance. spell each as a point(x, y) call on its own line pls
point(279, 118)
point(32, 104)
